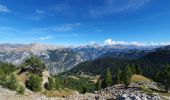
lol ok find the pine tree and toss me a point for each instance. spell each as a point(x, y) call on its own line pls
point(133, 68)
point(119, 76)
point(165, 77)
point(98, 84)
point(138, 70)
point(127, 75)
point(108, 78)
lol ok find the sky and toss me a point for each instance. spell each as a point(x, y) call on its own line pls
point(79, 22)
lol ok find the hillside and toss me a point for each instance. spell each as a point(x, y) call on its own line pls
point(150, 63)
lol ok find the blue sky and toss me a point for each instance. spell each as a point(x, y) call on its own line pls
point(75, 22)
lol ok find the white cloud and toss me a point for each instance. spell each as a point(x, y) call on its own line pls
point(111, 42)
point(40, 11)
point(53, 29)
point(138, 43)
point(160, 44)
point(92, 42)
point(4, 8)
point(66, 35)
point(108, 42)
point(113, 6)
point(44, 38)
point(66, 27)
point(39, 14)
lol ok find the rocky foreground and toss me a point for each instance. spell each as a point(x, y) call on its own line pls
point(117, 92)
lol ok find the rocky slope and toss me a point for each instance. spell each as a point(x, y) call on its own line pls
point(57, 58)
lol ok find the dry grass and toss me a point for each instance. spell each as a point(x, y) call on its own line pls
point(59, 93)
point(22, 77)
point(139, 78)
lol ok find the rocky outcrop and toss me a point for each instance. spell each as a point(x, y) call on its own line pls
point(45, 77)
point(140, 96)
point(117, 92)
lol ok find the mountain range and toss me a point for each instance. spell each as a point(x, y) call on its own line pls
point(61, 58)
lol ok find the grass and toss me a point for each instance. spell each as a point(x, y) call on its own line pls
point(139, 78)
point(59, 93)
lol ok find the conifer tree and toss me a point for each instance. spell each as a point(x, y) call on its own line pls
point(138, 70)
point(119, 76)
point(98, 84)
point(133, 68)
point(127, 75)
point(164, 77)
point(108, 78)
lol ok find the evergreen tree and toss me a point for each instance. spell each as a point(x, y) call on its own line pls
point(108, 78)
point(119, 72)
point(138, 70)
point(98, 84)
point(127, 75)
point(133, 68)
point(164, 77)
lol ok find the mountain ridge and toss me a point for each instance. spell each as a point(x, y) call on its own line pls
point(65, 57)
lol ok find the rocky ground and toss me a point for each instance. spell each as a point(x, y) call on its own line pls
point(117, 92)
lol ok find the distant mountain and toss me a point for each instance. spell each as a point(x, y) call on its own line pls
point(57, 58)
point(92, 52)
point(130, 54)
point(149, 63)
point(60, 58)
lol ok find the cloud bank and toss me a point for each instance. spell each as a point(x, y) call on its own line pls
point(112, 42)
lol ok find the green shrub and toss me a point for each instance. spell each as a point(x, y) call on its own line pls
point(57, 84)
point(21, 89)
point(3, 80)
point(12, 82)
point(34, 83)
point(50, 85)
